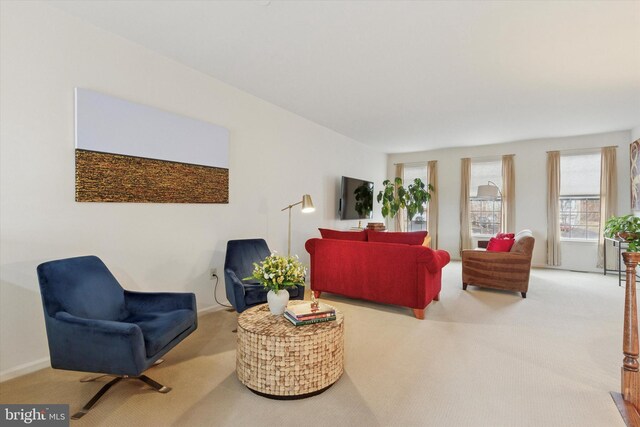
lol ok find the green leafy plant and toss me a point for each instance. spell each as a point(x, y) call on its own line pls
point(364, 199)
point(394, 197)
point(625, 227)
point(418, 195)
point(277, 272)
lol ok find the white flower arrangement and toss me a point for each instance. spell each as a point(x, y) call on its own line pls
point(277, 272)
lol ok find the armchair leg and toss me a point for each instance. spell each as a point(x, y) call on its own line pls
point(464, 286)
point(95, 398)
point(145, 379)
point(155, 385)
point(524, 294)
point(437, 297)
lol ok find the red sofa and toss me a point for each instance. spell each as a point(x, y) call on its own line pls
point(389, 273)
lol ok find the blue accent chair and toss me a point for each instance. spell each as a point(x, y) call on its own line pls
point(238, 264)
point(94, 325)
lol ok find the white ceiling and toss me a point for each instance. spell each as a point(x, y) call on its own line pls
point(408, 76)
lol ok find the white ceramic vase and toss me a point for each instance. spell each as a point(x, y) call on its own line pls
point(278, 301)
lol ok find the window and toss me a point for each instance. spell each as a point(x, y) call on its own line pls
point(486, 215)
point(580, 196)
point(419, 221)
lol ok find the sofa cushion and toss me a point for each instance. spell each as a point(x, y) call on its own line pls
point(360, 236)
point(500, 245)
point(159, 329)
point(407, 238)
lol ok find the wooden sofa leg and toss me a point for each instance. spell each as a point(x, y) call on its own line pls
point(524, 294)
point(317, 294)
point(437, 297)
point(419, 313)
point(464, 286)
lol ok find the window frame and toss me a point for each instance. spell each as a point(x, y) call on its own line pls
point(496, 211)
point(581, 197)
point(562, 197)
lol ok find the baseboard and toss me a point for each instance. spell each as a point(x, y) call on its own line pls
point(36, 365)
point(25, 368)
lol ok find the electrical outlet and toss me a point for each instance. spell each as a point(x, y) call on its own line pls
point(213, 273)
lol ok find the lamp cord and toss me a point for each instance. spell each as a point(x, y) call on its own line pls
point(215, 291)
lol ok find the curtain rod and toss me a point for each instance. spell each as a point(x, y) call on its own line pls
point(495, 157)
point(583, 149)
point(424, 163)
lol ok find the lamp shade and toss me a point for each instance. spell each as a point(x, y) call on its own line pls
point(488, 191)
point(307, 204)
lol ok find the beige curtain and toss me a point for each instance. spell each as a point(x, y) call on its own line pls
point(508, 224)
point(399, 224)
point(465, 184)
point(553, 208)
point(432, 207)
point(608, 199)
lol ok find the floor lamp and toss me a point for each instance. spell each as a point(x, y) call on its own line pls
point(307, 206)
point(490, 191)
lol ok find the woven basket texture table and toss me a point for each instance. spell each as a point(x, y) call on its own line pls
point(279, 360)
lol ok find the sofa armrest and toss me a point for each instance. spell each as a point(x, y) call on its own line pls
point(94, 345)
point(434, 259)
point(310, 245)
point(145, 302)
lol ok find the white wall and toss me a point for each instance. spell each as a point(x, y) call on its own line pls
point(635, 133)
point(530, 166)
point(275, 157)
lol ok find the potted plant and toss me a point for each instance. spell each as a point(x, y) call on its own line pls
point(277, 273)
point(394, 197)
point(626, 228)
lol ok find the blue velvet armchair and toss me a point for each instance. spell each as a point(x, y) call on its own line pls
point(94, 325)
point(238, 264)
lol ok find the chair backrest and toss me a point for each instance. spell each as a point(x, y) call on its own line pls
point(81, 286)
point(524, 242)
point(241, 254)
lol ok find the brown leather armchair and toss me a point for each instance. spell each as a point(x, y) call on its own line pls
point(500, 270)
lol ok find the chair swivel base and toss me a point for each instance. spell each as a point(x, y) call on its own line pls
point(91, 403)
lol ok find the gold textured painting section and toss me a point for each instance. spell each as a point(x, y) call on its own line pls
point(277, 358)
point(103, 177)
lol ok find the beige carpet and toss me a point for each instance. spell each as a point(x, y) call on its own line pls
point(480, 358)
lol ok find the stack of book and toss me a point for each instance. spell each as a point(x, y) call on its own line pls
point(377, 226)
point(306, 314)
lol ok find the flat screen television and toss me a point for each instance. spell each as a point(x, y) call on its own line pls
point(356, 199)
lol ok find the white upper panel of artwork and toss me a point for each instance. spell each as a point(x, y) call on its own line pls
point(405, 76)
point(112, 125)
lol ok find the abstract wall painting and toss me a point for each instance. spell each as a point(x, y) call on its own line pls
point(634, 155)
point(129, 152)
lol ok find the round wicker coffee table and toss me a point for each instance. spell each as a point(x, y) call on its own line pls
point(278, 360)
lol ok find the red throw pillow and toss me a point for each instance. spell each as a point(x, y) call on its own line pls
point(505, 236)
point(407, 238)
point(500, 245)
point(360, 236)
